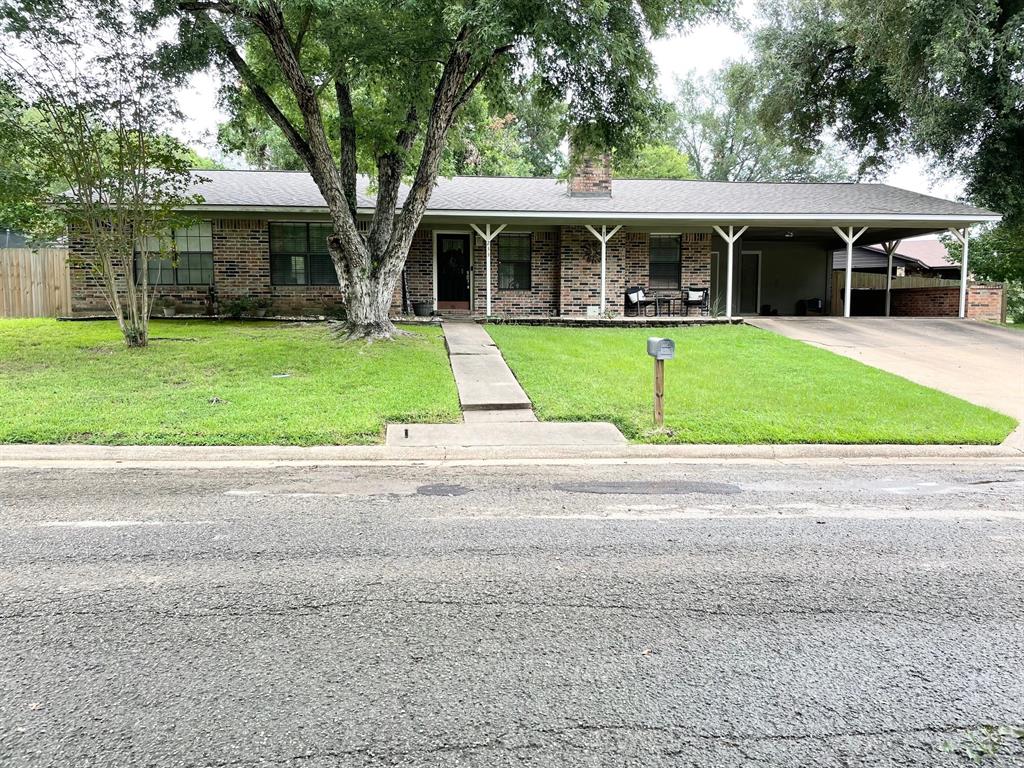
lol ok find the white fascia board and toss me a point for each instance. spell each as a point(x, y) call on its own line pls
point(708, 219)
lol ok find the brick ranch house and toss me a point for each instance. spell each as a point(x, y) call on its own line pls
point(562, 249)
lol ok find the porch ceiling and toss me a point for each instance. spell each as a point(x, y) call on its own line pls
point(826, 237)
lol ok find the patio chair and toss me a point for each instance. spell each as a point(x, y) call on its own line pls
point(696, 297)
point(637, 302)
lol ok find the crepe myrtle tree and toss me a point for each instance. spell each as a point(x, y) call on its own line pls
point(397, 74)
point(81, 121)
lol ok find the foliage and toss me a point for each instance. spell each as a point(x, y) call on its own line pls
point(718, 127)
point(936, 77)
point(398, 77)
point(655, 161)
point(518, 140)
point(732, 384)
point(215, 383)
point(988, 741)
point(195, 160)
point(84, 112)
point(237, 308)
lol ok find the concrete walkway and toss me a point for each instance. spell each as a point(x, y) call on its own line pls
point(978, 362)
point(497, 413)
point(484, 381)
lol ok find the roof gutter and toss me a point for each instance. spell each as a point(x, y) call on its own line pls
point(846, 219)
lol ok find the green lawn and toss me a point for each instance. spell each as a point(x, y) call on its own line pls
point(215, 383)
point(732, 384)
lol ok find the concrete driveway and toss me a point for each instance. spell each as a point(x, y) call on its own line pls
point(980, 363)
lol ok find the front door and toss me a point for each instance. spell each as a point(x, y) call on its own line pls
point(453, 271)
point(747, 289)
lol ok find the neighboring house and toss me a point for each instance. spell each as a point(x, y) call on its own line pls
point(262, 234)
point(12, 238)
point(927, 257)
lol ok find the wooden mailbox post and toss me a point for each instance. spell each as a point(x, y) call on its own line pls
point(661, 350)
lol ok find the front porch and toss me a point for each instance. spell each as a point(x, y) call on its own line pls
point(580, 274)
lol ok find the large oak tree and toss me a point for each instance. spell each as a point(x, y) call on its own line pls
point(396, 75)
point(941, 78)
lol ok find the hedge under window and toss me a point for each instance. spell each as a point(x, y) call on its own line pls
point(299, 255)
point(514, 262)
point(189, 259)
point(665, 264)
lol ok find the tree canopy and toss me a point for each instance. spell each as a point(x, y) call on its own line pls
point(654, 161)
point(718, 127)
point(941, 78)
point(83, 123)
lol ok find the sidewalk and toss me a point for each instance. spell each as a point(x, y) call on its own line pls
point(497, 413)
point(202, 457)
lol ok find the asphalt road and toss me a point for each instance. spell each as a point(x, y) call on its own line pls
point(658, 615)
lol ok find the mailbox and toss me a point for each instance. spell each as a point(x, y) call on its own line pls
point(661, 349)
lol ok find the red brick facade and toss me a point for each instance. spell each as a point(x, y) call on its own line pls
point(592, 176)
point(565, 273)
point(984, 302)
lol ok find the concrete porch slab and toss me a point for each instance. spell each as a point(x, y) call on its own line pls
point(540, 434)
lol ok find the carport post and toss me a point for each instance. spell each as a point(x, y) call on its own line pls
point(849, 238)
point(487, 246)
point(890, 249)
point(604, 237)
point(729, 239)
point(965, 240)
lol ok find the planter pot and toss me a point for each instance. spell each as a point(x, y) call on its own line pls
point(170, 311)
point(422, 308)
point(262, 312)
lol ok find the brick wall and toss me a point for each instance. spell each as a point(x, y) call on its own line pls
point(419, 272)
point(984, 302)
point(592, 176)
point(542, 296)
point(565, 273)
point(627, 265)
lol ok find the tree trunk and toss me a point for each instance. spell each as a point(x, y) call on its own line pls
point(368, 311)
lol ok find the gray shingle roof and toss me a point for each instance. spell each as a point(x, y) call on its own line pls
point(285, 189)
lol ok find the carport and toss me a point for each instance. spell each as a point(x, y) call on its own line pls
point(787, 269)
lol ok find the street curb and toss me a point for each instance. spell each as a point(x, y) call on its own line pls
point(240, 456)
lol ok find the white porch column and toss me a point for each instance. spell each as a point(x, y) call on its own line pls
point(849, 238)
point(604, 237)
point(965, 240)
point(890, 249)
point(487, 249)
point(730, 239)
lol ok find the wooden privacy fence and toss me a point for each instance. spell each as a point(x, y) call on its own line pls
point(876, 282)
point(34, 283)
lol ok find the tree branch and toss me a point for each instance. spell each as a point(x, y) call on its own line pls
point(347, 134)
point(496, 54)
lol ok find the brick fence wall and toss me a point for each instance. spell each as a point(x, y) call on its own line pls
point(984, 302)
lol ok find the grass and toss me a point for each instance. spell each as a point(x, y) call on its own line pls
point(215, 383)
point(733, 384)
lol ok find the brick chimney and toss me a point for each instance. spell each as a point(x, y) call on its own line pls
point(591, 175)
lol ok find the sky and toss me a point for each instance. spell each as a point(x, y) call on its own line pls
point(702, 50)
